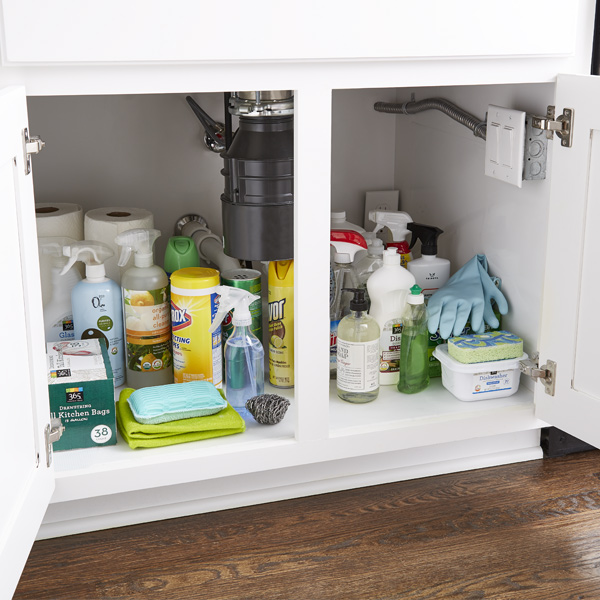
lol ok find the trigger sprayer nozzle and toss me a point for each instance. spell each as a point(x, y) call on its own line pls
point(234, 298)
point(140, 242)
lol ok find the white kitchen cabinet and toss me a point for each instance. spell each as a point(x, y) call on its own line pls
point(342, 148)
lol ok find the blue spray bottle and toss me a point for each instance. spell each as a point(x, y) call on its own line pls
point(96, 301)
point(244, 354)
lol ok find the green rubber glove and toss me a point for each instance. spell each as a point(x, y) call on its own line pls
point(461, 297)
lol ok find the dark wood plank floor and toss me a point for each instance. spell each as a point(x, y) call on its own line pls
point(522, 532)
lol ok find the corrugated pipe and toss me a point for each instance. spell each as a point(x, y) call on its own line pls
point(477, 126)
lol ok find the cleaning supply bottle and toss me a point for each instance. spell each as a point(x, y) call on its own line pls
point(370, 263)
point(430, 272)
point(346, 244)
point(358, 353)
point(58, 311)
point(414, 359)
point(147, 311)
point(244, 354)
point(281, 323)
point(181, 252)
point(388, 288)
point(339, 223)
point(396, 222)
point(96, 301)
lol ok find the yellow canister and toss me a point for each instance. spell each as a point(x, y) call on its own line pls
point(194, 303)
point(281, 323)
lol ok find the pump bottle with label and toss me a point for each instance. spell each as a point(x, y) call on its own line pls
point(244, 354)
point(58, 311)
point(358, 353)
point(388, 288)
point(96, 302)
point(147, 311)
point(396, 222)
point(430, 271)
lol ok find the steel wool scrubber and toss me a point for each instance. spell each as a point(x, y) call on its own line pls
point(267, 409)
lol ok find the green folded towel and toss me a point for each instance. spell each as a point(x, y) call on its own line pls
point(139, 435)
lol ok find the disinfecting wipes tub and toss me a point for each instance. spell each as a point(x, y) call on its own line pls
point(479, 381)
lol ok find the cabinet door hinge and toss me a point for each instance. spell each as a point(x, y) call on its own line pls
point(31, 145)
point(563, 125)
point(546, 373)
point(52, 433)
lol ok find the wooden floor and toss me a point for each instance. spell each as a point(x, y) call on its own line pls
point(525, 532)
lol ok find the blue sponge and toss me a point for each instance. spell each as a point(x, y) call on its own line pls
point(175, 401)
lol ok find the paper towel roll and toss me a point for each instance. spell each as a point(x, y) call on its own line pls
point(56, 220)
point(104, 224)
point(59, 220)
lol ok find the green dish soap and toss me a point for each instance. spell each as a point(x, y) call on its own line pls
point(414, 361)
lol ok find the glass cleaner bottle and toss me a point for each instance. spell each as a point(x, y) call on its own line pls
point(244, 353)
point(358, 353)
point(414, 360)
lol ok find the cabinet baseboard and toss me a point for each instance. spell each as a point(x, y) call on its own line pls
point(167, 502)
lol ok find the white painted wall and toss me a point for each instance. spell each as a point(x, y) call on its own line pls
point(136, 150)
point(440, 175)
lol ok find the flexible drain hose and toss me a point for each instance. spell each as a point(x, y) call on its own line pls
point(477, 126)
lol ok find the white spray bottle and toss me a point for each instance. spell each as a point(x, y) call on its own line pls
point(396, 222)
point(147, 311)
point(244, 354)
point(96, 302)
point(58, 312)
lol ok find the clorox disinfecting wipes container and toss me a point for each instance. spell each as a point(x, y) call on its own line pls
point(194, 302)
point(479, 381)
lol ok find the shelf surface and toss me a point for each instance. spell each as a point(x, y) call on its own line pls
point(394, 410)
point(68, 463)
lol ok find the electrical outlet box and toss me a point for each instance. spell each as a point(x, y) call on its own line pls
point(505, 144)
point(386, 200)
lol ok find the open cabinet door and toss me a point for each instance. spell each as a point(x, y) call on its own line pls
point(570, 333)
point(27, 479)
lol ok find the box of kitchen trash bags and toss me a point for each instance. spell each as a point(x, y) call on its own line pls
point(81, 390)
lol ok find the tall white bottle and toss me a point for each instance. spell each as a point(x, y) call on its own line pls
point(388, 288)
point(96, 303)
point(147, 311)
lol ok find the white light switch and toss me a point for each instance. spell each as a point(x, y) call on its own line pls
point(505, 144)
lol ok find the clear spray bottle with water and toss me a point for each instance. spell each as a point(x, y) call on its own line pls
point(244, 353)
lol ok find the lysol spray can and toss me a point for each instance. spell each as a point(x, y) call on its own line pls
point(249, 280)
point(281, 323)
point(197, 354)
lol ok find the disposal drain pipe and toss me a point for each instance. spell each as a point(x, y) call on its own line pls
point(477, 126)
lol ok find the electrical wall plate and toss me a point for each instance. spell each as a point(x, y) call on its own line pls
point(505, 144)
point(386, 200)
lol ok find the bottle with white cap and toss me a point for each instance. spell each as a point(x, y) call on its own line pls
point(369, 263)
point(96, 302)
point(414, 360)
point(346, 244)
point(388, 288)
point(147, 310)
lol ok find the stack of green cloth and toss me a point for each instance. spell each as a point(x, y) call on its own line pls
point(140, 435)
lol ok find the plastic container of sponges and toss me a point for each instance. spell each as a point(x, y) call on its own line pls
point(479, 381)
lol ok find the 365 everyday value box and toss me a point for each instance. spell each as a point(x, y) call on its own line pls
point(81, 390)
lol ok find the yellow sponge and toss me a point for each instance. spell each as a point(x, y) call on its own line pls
point(485, 347)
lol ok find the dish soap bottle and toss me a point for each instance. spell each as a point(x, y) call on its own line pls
point(147, 311)
point(414, 360)
point(244, 354)
point(358, 353)
point(96, 302)
point(388, 288)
